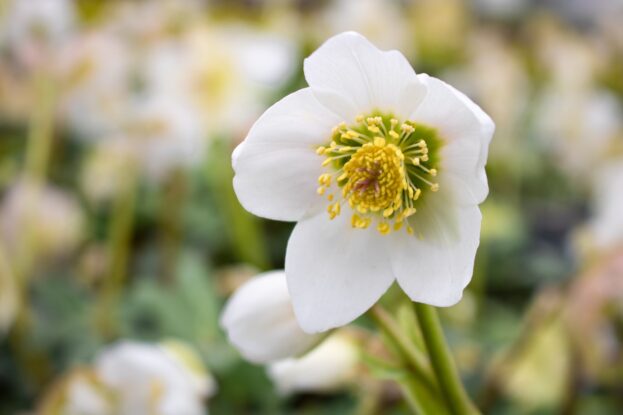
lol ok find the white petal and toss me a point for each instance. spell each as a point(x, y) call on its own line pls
point(467, 132)
point(436, 268)
point(260, 322)
point(335, 273)
point(329, 367)
point(276, 166)
point(351, 76)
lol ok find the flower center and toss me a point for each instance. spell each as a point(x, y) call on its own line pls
point(382, 167)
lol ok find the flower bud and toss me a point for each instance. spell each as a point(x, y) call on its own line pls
point(260, 322)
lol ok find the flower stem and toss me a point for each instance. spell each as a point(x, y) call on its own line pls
point(121, 226)
point(443, 364)
point(413, 356)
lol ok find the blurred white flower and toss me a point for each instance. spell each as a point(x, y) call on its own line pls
point(50, 219)
point(494, 74)
point(225, 71)
point(96, 70)
point(85, 395)
point(78, 393)
point(384, 143)
point(579, 127)
point(260, 322)
point(163, 380)
point(605, 227)
point(371, 18)
point(106, 168)
point(34, 28)
point(331, 366)
point(165, 134)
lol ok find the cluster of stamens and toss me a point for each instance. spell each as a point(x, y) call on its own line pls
point(380, 168)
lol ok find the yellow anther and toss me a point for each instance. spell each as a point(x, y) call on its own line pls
point(383, 228)
point(380, 169)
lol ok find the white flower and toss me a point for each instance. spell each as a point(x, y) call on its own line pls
point(260, 322)
point(606, 226)
point(27, 24)
point(147, 378)
point(371, 18)
point(53, 217)
point(85, 395)
point(580, 127)
point(400, 161)
point(329, 367)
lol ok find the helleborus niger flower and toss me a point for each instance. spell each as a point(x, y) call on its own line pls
point(260, 322)
point(331, 366)
point(382, 169)
point(166, 379)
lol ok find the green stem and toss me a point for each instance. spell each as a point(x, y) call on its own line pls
point(120, 234)
point(416, 360)
point(172, 222)
point(443, 364)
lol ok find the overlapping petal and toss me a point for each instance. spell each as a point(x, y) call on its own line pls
point(434, 265)
point(467, 132)
point(276, 166)
point(351, 76)
point(335, 273)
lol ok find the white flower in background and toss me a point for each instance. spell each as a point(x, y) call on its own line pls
point(383, 169)
point(78, 393)
point(224, 71)
point(165, 133)
point(605, 228)
point(579, 127)
point(329, 367)
point(52, 216)
point(495, 75)
point(151, 379)
point(29, 27)
point(371, 18)
point(260, 322)
point(95, 70)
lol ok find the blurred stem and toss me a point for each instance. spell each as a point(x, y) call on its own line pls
point(244, 228)
point(38, 149)
point(443, 364)
point(411, 398)
point(120, 234)
point(172, 222)
point(40, 131)
point(416, 360)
